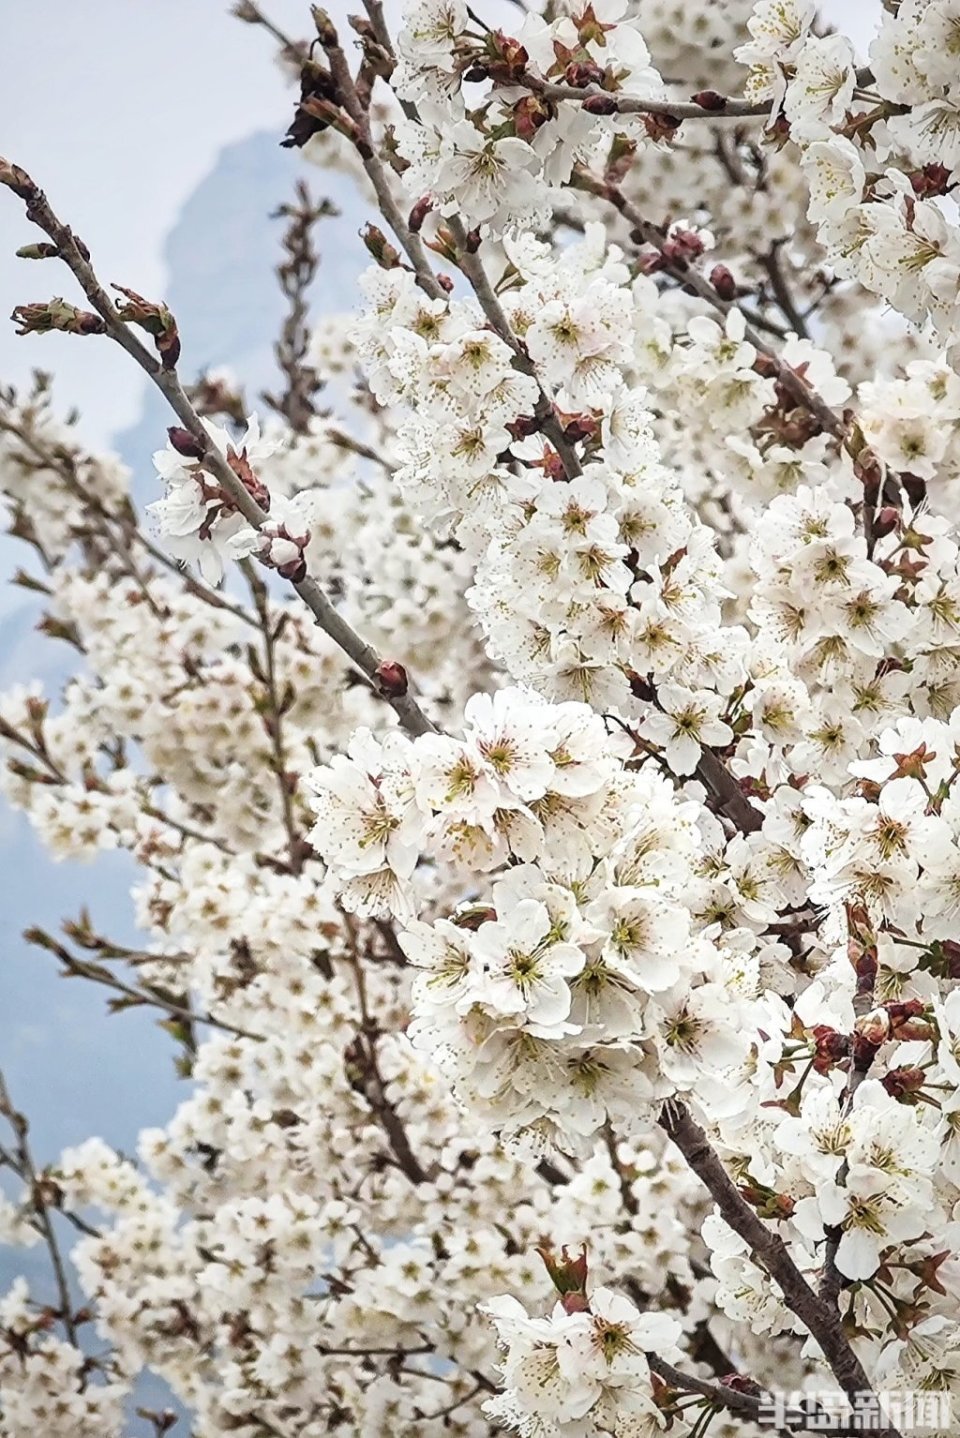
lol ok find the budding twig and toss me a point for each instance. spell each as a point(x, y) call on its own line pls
point(23, 1164)
point(75, 256)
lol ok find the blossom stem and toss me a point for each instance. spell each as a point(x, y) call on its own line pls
point(473, 268)
point(297, 847)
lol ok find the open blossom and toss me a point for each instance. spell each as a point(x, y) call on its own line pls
point(685, 722)
point(197, 523)
point(574, 1364)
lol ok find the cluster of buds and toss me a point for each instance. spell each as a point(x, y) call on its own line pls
point(681, 245)
point(500, 58)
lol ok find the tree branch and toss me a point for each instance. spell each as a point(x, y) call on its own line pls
point(770, 1252)
point(75, 256)
point(25, 1166)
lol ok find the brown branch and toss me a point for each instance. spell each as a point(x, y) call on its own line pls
point(721, 107)
point(275, 708)
point(773, 268)
point(75, 256)
point(74, 967)
point(63, 462)
point(717, 107)
point(375, 1089)
point(296, 274)
point(472, 266)
point(769, 1251)
point(861, 1061)
point(728, 797)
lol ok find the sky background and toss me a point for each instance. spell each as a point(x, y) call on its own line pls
point(119, 108)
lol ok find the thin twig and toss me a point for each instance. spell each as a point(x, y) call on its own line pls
point(43, 1221)
point(297, 847)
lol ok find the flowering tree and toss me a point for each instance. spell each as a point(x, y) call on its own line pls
point(541, 760)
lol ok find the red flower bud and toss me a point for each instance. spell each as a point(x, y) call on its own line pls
point(600, 105)
point(904, 1082)
point(709, 100)
point(185, 443)
point(391, 679)
point(723, 282)
point(886, 521)
point(831, 1048)
point(581, 73)
point(419, 213)
point(661, 127)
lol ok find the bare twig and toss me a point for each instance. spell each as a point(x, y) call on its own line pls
point(296, 274)
point(275, 707)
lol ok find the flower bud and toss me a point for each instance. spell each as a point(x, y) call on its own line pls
point(39, 251)
point(504, 59)
point(830, 1048)
point(581, 73)
point(600, 105)
point(185, 443)
point(886, 521)
point(17, 180)
point(385, 254)
point(391, 679)
point(904, 1083)
point(661, 127)
point(156, 319)
point(326, 30)
point(529, 114)
point(709, 100)
point(723, 282)
point(419, 213)
point(57, 314)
